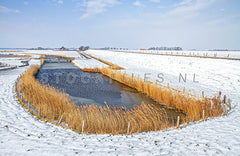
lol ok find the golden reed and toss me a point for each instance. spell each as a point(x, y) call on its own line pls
point(193, 106)
point(55, 104)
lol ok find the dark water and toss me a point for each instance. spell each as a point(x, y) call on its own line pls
point(92, 88)
point(53, 59)
point(89, 88)
point(5, 55)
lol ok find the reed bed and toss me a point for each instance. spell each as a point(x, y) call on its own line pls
point(43, 59)
point(91, 70)
point(62, 56)
point(54, 104)
point(26, 56)
point(194, 107)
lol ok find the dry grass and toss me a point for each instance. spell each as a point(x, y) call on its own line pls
point(62, 56)
point(43, 59)
point(193, 106)
point(54, 104)
point(91, 70)
point(146, 117)
point(27, 56)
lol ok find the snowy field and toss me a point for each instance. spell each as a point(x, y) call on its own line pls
point(22, 134)
point(88, 62)
point(221, 54)
point(208, 75)
point(33, 52)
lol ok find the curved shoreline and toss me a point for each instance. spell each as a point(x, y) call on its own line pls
point(106, 72)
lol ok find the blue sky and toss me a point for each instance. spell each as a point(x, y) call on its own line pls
point(200, 24)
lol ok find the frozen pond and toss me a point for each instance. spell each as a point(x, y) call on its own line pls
point(91, 88)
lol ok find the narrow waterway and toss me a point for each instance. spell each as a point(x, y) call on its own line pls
point(91, 88)
point(8, 55)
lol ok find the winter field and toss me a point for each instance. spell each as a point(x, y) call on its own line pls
point(205, 53)
point(23, 134)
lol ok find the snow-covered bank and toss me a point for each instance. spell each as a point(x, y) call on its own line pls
point(88, 62)
point(23, 134)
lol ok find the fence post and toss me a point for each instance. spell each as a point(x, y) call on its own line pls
point(128, 128)
point(203, 94)
point(178, 120)
point(83, 124)
point(39, 112)
point(28, 105)
point(60, 120)
point(203, 114)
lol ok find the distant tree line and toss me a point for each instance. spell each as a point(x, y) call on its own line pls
point(165, 48)
point(218, 50)
point(83, 48)
point(62, 48)
point(112, 48)
point(39, 48)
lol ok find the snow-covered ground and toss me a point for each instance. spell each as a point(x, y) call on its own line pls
point(52, 52)
point(208, 75)
point(222, 54)
point(22, 134)
point(79, 60)
point(88, 62)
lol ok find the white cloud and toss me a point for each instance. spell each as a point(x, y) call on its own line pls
point(60, 2)
point(138, 3)
point(155, 1)
point(185, 2)
point(188, 7)
point(94, 7)
point(4, 9)
point(25, 3)
point(161, 7)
